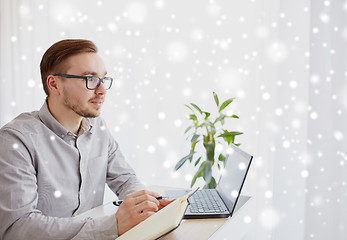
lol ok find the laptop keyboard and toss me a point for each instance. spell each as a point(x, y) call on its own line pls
point(206, 201)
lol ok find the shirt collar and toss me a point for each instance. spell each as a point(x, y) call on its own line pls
point(48, 119)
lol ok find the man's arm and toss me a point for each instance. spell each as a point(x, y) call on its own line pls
point(40, 227)
point(20, 217)
point(138, 204)
point(121, 177)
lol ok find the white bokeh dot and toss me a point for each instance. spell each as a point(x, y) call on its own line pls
point(136, 12)
point(313, 115)
point(31, 83)
point(57, 194)
point(177, 51)
point(13, 39)
point(293, 84)
point(338, 135)
point(188, 177)
point(166, 164)
point(304, 173)
point(269, 218)
point(324, 17)
point(161, 115)
point(242, 166)
point(279, 111)
point(234, 194)
point(268, 194)
point(178, 123)
point(151, 149)
point(162, 141)
point(277, 52)
point(247, 219)
point(286, 144)
point(266, 96)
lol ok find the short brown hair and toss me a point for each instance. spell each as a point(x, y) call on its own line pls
point(53, 59)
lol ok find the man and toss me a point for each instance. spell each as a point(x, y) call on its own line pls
point(54, 163)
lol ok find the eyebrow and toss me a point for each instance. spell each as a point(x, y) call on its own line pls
point(92, 73)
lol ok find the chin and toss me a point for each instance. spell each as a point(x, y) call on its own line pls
point(89, 114)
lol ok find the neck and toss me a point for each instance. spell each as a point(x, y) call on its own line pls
point(66, 117)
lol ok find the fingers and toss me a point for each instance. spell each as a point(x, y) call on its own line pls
point(146, 198)
point(142, 201)
point(165, 202)
point(135, 208)
point(144, 192)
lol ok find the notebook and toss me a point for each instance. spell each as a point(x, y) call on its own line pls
point(162, 222)
point(219, 202)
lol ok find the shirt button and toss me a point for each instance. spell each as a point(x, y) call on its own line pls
point(63, 135)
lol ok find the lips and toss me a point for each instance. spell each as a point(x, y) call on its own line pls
point(97, 101)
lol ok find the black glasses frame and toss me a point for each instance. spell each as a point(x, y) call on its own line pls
point(87, 78)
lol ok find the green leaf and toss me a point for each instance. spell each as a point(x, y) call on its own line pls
point(206, 172)
point(183, 160)
point(221, 158)
point(197, 161)
point(194, 118)
point(195, 138)
point(194, 142)
point(196, 107)
point(193, 146)
point(225, 104)
point(189, 107)
point(196, 176)
point(212, 184)
point(230, 136)
point(187, 129)
point(216, 98)
point(220, 118)
point(234, 116)
point(213, 130)
point(226, 134)
point(207, 114)
point(210, 147)
point(208, 123)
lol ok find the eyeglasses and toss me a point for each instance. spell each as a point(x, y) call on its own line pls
point(92, 82)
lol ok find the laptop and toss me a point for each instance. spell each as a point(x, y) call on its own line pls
point(219, 202)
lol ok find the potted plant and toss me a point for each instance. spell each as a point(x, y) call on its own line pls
point(208, 131)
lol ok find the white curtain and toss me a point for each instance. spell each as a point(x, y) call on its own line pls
point(284, 61)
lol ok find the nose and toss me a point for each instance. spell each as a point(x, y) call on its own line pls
point(100, 90)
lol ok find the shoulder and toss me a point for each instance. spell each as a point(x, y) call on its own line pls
point(24, 123)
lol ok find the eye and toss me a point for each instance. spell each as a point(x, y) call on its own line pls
point(92, 82)
point(94, 79)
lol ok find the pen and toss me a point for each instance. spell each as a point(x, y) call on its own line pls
point(118, 202)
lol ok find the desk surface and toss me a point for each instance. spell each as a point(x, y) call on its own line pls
point(193, 228)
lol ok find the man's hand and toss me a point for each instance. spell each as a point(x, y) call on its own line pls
point(136, 207)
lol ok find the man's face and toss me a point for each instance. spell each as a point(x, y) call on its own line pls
point(76, 97)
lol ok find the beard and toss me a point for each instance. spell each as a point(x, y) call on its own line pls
point(76, 106)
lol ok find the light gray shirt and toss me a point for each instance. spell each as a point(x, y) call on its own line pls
point(48, 175)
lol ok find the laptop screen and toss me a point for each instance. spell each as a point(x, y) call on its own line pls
point(233, 176)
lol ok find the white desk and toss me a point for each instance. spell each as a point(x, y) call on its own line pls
point(214, 229)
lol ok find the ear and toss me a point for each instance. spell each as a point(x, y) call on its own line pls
point(52, 84)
